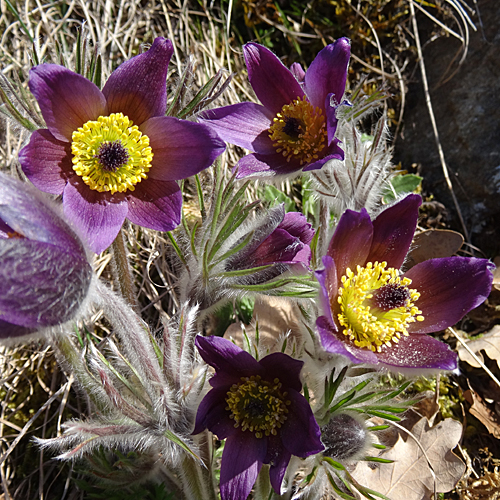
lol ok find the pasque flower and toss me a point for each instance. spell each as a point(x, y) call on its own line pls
point(375, 314)
point(257, 407)
point(112, 154)
point(44, 270)
point(294, 128)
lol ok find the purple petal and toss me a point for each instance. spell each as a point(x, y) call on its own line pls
point(330, 341)
point(138, 88)
point(223, 355)
point(24, 210)
point(180, 148)
point(212, 415)
point(449, 288)
point(257, 165)
point(98, 216)
point(351, 241)
point(328, 73)
point(278, 457)
point(155, 204)
point(328, 290)
point(9, 330)
point(300, 433)
point(283, 367)
point(280, 246)
point(47, 162)
point(241, 463)
point(67, 100)
point(272, 82)
point(393, 232)
point(298, 72)
point(331, 118)
point(418, 351)
point(296, 224)
point(335, 152)
point(42, 285)
point(245, 124)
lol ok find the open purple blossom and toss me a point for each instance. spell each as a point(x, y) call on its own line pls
point(294, 128)
point(256, 406)
point(113, 154)
point(44, 270)
point(376, 315)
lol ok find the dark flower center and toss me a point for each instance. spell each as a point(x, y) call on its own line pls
point(292, 127)
point(257, 405)
point(112, 155)
point(391, 296)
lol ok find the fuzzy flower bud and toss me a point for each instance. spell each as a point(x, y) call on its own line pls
point(44, 270)
point(344, 437)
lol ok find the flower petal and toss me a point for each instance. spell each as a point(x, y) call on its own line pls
point(67, 100)
point(284, 368)
point(239, 470)
point(245, 124)
point(60, 278)
point(328, 73)
point(138, 88)
point(449, 288)
point(265, 165)
point(47, 162)
point(24, 210)
point(9, 330)
point(98, 216)
point(418, 352)
point(296, 224)
point(272, 82)
point(298, 72)
point(331, 343)
point(300, 433)
point(180, 148)
point(278, 457)
point(223, 355)
point(329, 285)
point(155, 204)
point(351, 241)
point(212, 415)
point(393, 231)
point(335, 152)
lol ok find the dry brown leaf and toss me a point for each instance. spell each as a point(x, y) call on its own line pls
point(410, 477)
point(483, 413)
point(489, 343)
point(433, 244)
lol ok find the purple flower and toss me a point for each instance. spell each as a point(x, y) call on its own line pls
point(295, 127)
point(374, 314)
point(282, 242)
point(257, 407)
point(44, 270)
point(113, 154)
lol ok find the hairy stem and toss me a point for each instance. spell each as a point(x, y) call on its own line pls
point(122, 271)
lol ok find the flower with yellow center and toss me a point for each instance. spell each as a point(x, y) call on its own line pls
point(299, 131)
point(373, 313)
point(376, 306)
point(113, 154)
point(256, 406)
point(294, 128)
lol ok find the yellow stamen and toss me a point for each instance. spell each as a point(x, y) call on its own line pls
point(299, 131)
point(376, 306)
point(257, 405)
point(111, 154)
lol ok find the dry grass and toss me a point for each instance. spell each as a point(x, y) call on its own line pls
point(37, 397)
